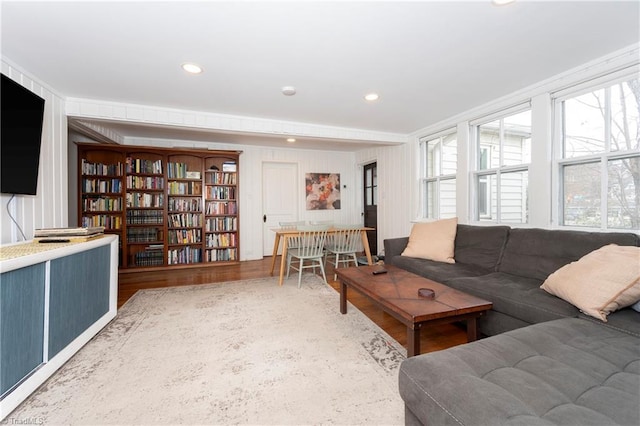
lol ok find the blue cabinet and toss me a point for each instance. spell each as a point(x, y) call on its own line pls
point(79, 295)
point(52, 302)
point(22, 297)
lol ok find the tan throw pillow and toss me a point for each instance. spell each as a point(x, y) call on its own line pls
point(433, 240)
point(600, 282)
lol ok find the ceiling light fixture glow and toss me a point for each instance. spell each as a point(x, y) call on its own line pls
point(501, 2)
point(291, 140)
point(192, 68)
point(372, 97)
point(288, 90)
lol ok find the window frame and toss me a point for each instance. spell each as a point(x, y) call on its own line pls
point(477, 173)
point(602, 159)
point(438, 177)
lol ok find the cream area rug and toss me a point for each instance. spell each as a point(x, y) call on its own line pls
point(243, 352)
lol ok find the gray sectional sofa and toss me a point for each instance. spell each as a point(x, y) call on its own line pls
point(546, 362)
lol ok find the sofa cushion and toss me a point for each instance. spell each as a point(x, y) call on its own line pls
point(600, 282)
point(437, 271)
point(516, 296)
point(536, 253)
point(433, 240)
point(568, 371)
point(480, 246)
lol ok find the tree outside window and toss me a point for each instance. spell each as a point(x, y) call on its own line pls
point(600, 169)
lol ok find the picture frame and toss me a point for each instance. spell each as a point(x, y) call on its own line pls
point(322, 191)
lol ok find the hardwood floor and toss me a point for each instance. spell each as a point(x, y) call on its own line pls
point(431, 338)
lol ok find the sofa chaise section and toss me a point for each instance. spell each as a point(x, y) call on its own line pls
point(571, 371)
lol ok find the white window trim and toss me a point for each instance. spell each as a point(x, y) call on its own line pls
point(595, 83)
point(501, 113)
point(475, 216)
point(424, 180)
point(603, 158)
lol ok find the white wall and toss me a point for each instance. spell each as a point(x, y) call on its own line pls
point(49, 207)
point(396, 166)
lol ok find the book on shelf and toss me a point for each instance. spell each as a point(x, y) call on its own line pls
point(68, 232)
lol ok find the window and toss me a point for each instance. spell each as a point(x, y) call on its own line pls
point(502, 171)
point(371, 185)
point(440, 156)
point(599, 168)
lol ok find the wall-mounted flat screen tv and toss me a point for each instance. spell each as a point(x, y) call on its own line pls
point(20, 138)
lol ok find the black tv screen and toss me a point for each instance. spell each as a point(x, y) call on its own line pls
point(20, 139)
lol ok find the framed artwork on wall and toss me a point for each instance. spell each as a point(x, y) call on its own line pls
point(322, 191)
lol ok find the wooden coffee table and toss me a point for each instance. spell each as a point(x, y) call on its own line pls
point(396, 293)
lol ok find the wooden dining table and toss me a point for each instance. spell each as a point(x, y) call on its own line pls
point(284, 234)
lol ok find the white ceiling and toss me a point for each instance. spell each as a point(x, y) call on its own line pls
point(428, 60)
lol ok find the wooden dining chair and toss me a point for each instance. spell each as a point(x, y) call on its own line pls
point(309, 247)
point(291, 242)
point(345, 242)
point(330, 224)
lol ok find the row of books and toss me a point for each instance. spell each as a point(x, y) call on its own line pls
point(221, 178)
point(185, 220)
point(214, 224)
point(143, 235)
point(153, 255)
point(185, 188)
point(221, 240)
point(180, 171)
point(222, 207)
point(185, 236)
point(145, 182)
point(106, 221)
point(185, 204)
point(100, 169)
point(101, 185)
point(215, 255)
point(184, 255)
point(102, 204)
point(145, 200)
point(145, 217)
point(139, 165)
point(221, 192)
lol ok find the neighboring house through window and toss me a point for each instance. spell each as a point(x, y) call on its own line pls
point(501, 177)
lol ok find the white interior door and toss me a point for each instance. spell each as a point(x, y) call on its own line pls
point(280, 188)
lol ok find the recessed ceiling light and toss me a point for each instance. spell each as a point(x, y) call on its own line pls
point(372, 97)
point(288, 90)
point(291, 140)
point(192, 68)
point(501, 2)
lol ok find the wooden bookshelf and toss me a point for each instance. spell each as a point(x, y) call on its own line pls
point(171, 208)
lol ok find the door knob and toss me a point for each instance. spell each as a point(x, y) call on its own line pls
point(264, 218)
